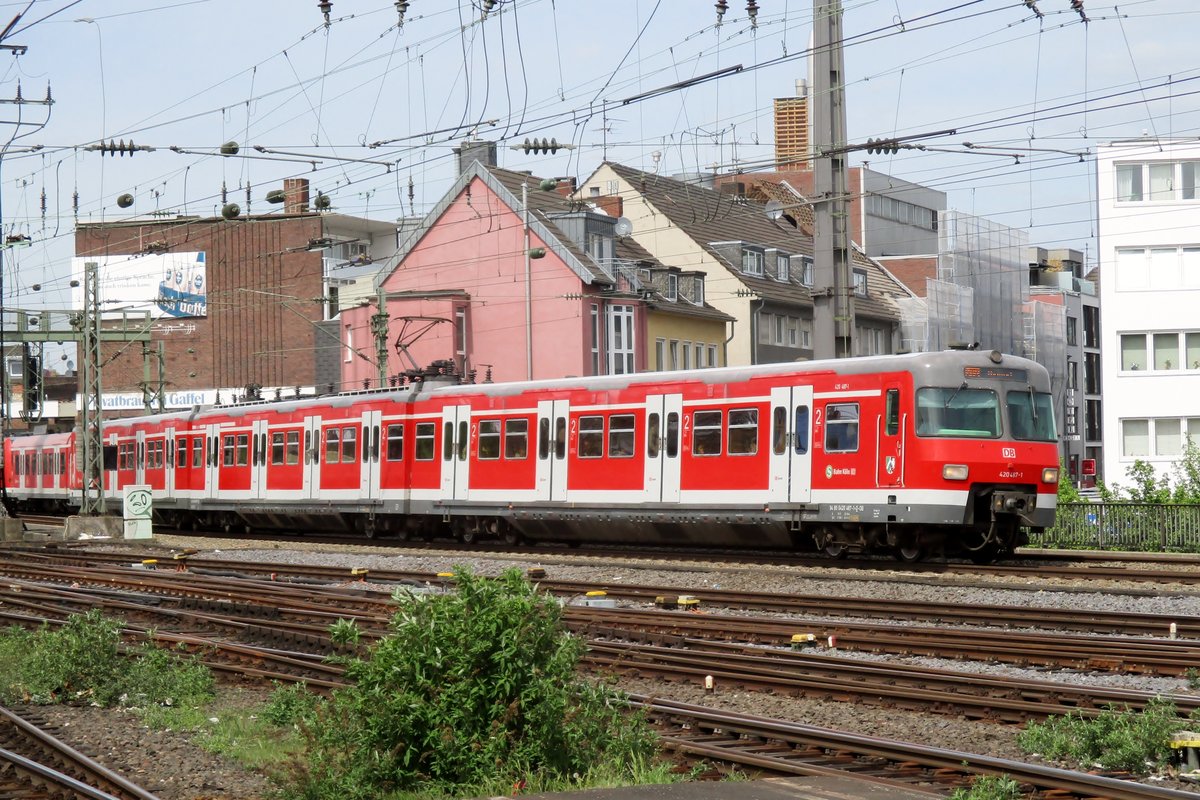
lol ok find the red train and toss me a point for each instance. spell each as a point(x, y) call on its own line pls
point(913, 454)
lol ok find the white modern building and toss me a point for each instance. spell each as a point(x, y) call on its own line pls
point(1149, 233)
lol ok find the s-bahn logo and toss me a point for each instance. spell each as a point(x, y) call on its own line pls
point(1008, 452)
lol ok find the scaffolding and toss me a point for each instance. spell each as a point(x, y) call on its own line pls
point(989, 259)
point(1046, 343)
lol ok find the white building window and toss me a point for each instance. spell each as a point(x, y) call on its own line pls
point(783, 268)
point(620, 339)
point(1160, 352)
point(712, 356)
point(596, 362)
point(1135, 438)
point(806, 271)
point(1162, 437)
point(349, 356)
point(752, 262)
point(672, 286)
point(1157, 181)
point(860, 282)
point(660, 354)
point(699, 289)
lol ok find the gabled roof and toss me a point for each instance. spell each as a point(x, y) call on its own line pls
point(708, 216)
point(506, 185)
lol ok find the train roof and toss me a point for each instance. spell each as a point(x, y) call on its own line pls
point(937, 368)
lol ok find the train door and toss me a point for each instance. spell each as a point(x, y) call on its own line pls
point(372, 428)
point(259, 455)
point(169, 464)
point(139, 454)
point(552, 446)
point(212, 461)
point(312, 458)
point(791, 434)
point(457, 432)
point(663, 413)
point(889, 433)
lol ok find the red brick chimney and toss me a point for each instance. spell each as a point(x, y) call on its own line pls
point(611, 203)
point(566, 186)
point(295, 195)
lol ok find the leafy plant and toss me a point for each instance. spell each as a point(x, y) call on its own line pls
point(475, 689)
point(990, 787)
point(1117, 739)
point(1192, 676)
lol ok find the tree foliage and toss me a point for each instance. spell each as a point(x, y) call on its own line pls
point(472, 688)
point(1146, 485)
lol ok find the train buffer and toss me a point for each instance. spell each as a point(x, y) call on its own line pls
point(1186, 745)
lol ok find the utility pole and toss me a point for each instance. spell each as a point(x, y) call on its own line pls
point(379, 328)
point(90, 405)
point(833, 300)
point(154, 390)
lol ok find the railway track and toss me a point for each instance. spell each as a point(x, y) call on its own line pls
point(256, 611)
point(34, 764)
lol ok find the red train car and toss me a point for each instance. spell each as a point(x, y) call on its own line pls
point(953, 451)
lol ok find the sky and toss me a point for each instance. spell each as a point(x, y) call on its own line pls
point(366, 108)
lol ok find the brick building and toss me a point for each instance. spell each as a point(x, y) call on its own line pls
point(270, 288)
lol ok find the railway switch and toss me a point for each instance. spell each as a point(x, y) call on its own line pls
point(1186, 745)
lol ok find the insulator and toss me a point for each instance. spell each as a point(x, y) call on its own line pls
point(276, 196)
point(230, 149)
point(230, 210)
point(125, 200)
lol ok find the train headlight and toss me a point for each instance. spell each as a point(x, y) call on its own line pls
point(954, 472)
point(1050, 475)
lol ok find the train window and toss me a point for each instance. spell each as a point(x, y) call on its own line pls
point(447, 441)
point(779, 430)
point(333, 445)
point(395, 442)
point(154, 454)
point(653, 435)
point(426, 431)
point(621, 436)
point(462, 441)
point(277, 448)
point(141, 454)
point(198, 451)
point(291, 453)
point(706, 433)
point(1031, 416)
point(349, 445)
point(591, 437)
point(560, 438)
point(673, 434)
point(489, 439)
point(243, 449)
point(841, 428)
point(801, 430)
point(892, 412)
point(228, 450)
point(108, 454)
point(516, 438)
point(958, 412)
point(743, 431)
point(543, 439)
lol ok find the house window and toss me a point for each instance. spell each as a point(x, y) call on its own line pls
point(860, 282)
point(460, 338)
point(349, 356)
point(674, 354)
point(764, 327)
point(1072, 331)
point(698, 289)
point(672, 287)
point(1129, 183)
point(700, 356)
point(686, 349)
point(806, 331)
point(712, 356)
point(595, 339)
point(793, 331)
point(660, 354)
point(806, 271)
point(752, 262)
point(780, 325)
point(621, 340)
point(783, 268)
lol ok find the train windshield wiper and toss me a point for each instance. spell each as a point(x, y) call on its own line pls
point(953, 395)
point(1032, 403)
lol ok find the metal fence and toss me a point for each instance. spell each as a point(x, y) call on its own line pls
point(1123, 526)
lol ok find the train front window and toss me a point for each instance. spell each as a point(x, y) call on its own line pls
point(1031, 416)
point(958, 412)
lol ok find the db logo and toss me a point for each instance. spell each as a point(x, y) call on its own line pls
point(1008, 452)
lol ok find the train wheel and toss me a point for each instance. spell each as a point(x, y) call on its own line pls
point(835, 550)
point(985, 554)
point(909, 552)
point(512, 537)
point(468, 535)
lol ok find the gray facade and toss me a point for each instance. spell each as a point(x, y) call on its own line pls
point(898, 218)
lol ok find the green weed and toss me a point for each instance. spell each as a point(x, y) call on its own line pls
point(1119, 740)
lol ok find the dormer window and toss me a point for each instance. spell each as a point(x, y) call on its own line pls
point(783, 268)
point(860, 282)
point(806, 271)
point(698, 290)
point(672, 287)
point(752, 262)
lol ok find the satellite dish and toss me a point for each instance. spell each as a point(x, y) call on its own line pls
point(773, 209)
point(623, 227)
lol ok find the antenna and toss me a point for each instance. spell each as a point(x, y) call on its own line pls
point(623, 227)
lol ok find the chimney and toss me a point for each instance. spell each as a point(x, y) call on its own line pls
point(295, 195)
point(612, 204)
point(566, 186)
point(474, 150)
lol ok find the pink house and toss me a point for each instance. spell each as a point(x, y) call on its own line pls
point(511, 280)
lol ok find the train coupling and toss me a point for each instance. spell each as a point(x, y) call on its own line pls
point(1021, 504)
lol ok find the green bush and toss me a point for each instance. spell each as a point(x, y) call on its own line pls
point(990, 787)
point(474, 688)
point(82, 660)
point(1118, 740)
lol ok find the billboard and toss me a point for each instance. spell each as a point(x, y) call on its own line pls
point(165, 284)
